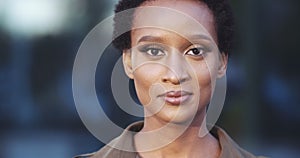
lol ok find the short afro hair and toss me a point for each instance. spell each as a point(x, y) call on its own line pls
point(221, 9)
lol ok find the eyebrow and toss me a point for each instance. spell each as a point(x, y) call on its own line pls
point(200, 36)
point(150, 38)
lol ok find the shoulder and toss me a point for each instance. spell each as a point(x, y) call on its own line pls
point(85, 155)
point(229, 148)
point(120, 147)
point(104, 152)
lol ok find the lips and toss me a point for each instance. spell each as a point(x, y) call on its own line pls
point(176, 97)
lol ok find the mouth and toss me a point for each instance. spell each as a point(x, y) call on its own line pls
point(176, 97)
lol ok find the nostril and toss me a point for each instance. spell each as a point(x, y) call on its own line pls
point(171, 79)
point(182, 80)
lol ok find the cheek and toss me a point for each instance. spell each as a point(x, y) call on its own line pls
point(205, 77)
point(204, 72)
point(145, 77)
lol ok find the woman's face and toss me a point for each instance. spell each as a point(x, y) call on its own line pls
point(174, 68)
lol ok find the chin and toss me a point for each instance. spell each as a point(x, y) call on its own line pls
point(180, 116)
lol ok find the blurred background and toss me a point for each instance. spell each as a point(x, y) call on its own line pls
point(39, 40)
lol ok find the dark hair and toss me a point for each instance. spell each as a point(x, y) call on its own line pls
point(223, 17)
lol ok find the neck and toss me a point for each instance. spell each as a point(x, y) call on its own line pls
point(162, 140)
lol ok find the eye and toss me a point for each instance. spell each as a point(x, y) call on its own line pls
point(155, 52)
point(196, 51)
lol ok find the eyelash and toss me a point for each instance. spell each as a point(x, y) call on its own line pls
point(149, 49)
point(161, 51)
point(201, 50)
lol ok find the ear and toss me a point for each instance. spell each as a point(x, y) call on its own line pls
point(223, 65)
point(127, 63)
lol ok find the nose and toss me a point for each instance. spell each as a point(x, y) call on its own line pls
point(177, 70)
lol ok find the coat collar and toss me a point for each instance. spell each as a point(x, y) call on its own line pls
point(126, 140)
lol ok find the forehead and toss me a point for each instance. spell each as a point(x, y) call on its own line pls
point(185, 17)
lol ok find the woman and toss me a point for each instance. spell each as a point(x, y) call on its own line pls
point(174, 62)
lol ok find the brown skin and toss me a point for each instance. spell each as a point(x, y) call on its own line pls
point(176, 67)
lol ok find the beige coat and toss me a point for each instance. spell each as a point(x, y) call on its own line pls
point(229, 149)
